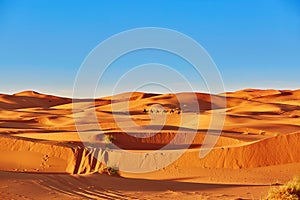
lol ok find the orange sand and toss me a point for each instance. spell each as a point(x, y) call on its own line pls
point(42, 156)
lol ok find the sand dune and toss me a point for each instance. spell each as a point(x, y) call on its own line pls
point(30, 99)
point(258, 143)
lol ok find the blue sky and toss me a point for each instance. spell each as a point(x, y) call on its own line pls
point(43, 43)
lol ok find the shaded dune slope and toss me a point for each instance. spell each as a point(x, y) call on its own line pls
point(44, 156)
point(261, 129)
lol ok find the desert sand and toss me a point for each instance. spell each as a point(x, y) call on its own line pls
point(42, 156)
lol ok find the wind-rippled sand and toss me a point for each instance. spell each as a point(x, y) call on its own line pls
point(42, 155)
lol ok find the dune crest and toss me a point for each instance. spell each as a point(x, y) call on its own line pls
point(28, 93)
point(260, 137)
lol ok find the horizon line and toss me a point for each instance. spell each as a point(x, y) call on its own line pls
point(146, 92)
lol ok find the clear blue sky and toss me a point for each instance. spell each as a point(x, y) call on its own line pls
point(43, 43)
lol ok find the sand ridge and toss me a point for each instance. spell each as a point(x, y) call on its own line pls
point(261, 131)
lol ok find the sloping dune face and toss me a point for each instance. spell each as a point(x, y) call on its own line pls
point(30, 99)
point(267, 152)
point(32, 155)
point(38, 132)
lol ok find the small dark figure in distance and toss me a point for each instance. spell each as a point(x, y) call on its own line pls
point(172, 111)
point(179, 112)
point(145, 110)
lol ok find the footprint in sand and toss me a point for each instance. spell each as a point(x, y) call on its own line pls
point(44, 161)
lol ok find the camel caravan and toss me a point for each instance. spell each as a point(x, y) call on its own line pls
point(157, 111)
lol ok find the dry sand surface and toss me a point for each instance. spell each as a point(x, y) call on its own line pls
point(42, 156)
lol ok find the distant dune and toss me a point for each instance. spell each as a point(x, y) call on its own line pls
point(258, 146)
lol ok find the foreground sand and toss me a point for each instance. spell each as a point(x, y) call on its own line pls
point(42, 156)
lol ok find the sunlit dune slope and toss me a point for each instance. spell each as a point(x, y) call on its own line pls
point(261, 128)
